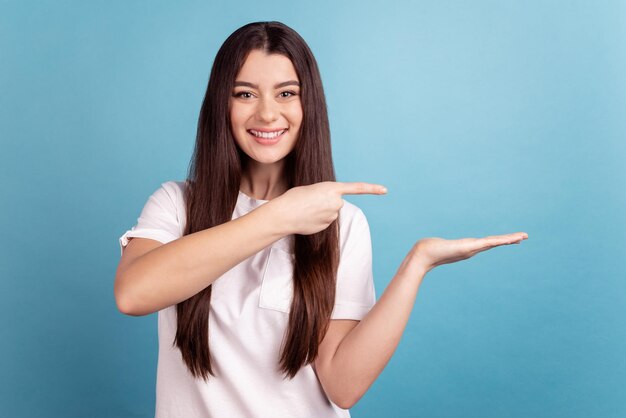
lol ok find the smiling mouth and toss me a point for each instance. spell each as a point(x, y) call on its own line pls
point(266, 135)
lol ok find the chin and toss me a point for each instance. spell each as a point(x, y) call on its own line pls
point(268, 160)
point(268, 157)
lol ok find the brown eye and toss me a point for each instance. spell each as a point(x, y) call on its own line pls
point(243, 94)
point(289, 94)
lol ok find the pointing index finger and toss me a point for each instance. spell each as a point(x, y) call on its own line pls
point(361, 188)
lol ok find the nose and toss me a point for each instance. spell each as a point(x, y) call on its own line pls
point(267, 110)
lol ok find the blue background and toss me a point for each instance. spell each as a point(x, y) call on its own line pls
point(482, 118)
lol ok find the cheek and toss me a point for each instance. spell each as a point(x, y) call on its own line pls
point(236, 115)
point(295, 116)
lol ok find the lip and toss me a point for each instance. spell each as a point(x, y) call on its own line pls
point(266, 130)
point(268, 141)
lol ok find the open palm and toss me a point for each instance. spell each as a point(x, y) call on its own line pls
point(432, 252)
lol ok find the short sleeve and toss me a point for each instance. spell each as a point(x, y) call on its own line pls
point(158, 219)
point(355, 294)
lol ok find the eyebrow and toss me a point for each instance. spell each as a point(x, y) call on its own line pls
point(277, 86)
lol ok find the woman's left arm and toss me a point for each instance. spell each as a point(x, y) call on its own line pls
point(362, 354)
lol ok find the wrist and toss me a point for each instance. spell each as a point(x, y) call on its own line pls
point(417, 263)
point(276, 220)
point(414, 265)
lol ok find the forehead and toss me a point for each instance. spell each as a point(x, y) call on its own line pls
point(262, 68)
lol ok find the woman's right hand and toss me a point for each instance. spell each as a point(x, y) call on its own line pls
point(309, 209)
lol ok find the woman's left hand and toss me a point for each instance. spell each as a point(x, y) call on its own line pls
point(429, 253)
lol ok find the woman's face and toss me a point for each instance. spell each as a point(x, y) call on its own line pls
point(265, 107)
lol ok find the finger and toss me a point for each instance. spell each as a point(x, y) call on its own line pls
point(496, 240)
point(360, 188)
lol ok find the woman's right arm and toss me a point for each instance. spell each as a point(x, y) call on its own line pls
point(152, 276)
point(161, 275)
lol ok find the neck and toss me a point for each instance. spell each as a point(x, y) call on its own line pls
point(263, 181)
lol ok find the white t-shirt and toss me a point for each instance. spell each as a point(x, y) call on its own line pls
point(248, 318)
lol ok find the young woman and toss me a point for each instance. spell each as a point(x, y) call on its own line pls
point(260, 272)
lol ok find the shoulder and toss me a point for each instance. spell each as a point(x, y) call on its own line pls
point(349, 213)
point(353, 224)
point(174, 187)
point(170, 198)
point(172, 190)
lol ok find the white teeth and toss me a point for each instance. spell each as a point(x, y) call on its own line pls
point(266, 135)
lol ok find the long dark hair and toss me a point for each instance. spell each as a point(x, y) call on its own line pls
point(213, 185)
